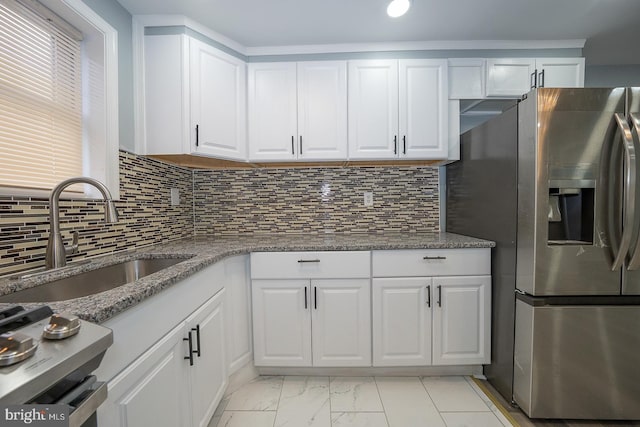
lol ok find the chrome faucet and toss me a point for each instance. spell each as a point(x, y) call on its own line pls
point(56, 251)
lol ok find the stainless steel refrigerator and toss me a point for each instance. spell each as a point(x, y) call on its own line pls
point(554, 181)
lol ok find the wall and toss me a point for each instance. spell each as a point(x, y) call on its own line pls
point(316, 200)
point(146, 216)
point(612, 75)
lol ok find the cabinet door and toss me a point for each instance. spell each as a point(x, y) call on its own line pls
point(322, 110)
point(217, 91)
point(166, 96)
point(208, 375)
point(462, 320)
point(341, 322)
point(152, 391)
point(560, 72)
point(402, 321)
point(272, 111)
point(466, 78)
point(509, 76)
point(238, 311)
point(281, 322)
point(423, 109)
point(373, 109)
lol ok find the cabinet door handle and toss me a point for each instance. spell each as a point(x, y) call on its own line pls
point(395, 144)
point(308, 260)
point(428, 295)
point(197, 135)
point(315, 297)
point(300, 144)
point(197, 331)
point(439, 296)
point(534, 79)
point(190, 356)
point(292, 144)
point(541, 79)
point(404, 144)
point(434, 257)
point(305, 297)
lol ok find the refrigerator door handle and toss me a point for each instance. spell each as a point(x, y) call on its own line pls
point(634, 119)
point(629, 190)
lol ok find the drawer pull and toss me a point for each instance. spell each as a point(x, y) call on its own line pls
point(434, 257)
point(308, 260)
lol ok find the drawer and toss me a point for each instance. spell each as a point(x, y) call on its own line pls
point(431, 262)
point(310, 265)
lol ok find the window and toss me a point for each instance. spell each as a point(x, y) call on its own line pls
point(40, 100)
point(58, 97)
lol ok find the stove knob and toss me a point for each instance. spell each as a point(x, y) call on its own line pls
point(62, 325)
point(15, 347)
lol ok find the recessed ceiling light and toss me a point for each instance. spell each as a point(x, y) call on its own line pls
point(398, 8)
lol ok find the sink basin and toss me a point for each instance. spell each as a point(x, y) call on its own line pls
point(92, 282)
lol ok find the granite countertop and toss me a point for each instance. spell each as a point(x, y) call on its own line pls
point(199, 252)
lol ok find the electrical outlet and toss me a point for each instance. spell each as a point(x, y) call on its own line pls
point(175, 197)
point(368, 199)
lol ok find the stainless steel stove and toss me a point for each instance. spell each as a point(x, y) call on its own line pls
point(48, 358)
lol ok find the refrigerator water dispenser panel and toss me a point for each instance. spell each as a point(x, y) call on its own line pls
point(571, 216)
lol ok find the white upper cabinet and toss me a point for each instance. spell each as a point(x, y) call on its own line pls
point(424, 109)
point(516, 76)
point(298, 111)
point(322, 110)
point(217, 91)
point(398, 109)
point(195, 98)
point(509, 76)
point(272, 111)
point(373, 109)
point(466, 78)
point(560, 72)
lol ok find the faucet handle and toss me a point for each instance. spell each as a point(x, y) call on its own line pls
point(73, 249)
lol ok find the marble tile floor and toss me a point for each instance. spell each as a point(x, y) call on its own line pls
point(298, 401)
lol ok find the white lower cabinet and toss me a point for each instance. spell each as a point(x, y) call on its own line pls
point(402, 321)
point(420, 321)
point(150, 392)
point(341, 322)
point(430, 316)
point(167, 386)
point(238, 312)
point(461, 320)
point(312, 322)
point(208, 371)
point(281, 323)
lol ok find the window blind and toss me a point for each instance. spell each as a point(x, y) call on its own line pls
point(40, 100)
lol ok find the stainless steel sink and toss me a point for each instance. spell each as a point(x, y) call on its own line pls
point(92, 282)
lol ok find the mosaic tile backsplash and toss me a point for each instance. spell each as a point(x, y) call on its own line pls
point(316, 200)
point(223, 202)
point(146, 216)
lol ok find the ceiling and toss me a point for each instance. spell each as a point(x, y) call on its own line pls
point(610, 27)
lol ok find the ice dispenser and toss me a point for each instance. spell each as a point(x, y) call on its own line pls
point(571, 214)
